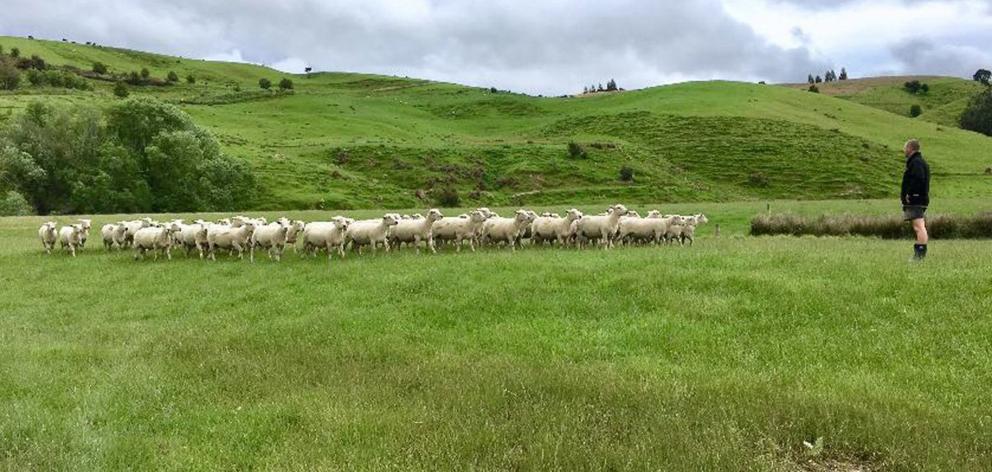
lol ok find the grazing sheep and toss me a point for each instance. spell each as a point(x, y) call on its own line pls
point(689, 228)
point(155, 238)
point(237, 239)
point(326, 235)
point(69, 237)
point(48, 233)
point(600, 227)
point(651, 229)
point(499, 229)
point(414, 230)
point(295, 229)
point(371, 232)
point(271, 237)
point(109, 233)
point(555, 228)
point(674, 233)
point(131, 227)
point(460, 228)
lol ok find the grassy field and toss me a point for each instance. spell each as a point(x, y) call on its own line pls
point(724, 356)
point(345, 140)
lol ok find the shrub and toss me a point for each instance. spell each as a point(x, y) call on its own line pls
point(285, 84)
point(172, 77)
point(190, 79)
point(448, 198)
point(35, 77)
point(37, 62)
point(978, 116)
point(915, 86)
point(15, 52)
point(757, 179)
point(576, 151)
point(264, 83)
point(915, 111)
point(133, 78)
point(813, 88)
point(99, 68)
point(120, 90)
point(14, 204)
point(626, 174)
point(9, 76)
point(145, 73)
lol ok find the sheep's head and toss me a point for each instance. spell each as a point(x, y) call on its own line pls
point(85, 223)
point(434, 215)
point(340, 222)
point(485, 211)
point(574, 214)
point(619, 210)
point(477, 216)
point(524, 216)
point(654, 214)
point(702, 219)
point(633, 213)
point(390, 219)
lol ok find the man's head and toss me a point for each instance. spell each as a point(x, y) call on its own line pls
point(912, 147)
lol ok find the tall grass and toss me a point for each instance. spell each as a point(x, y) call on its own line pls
point(886, 227)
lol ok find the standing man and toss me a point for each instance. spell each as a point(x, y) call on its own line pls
point(916, 196)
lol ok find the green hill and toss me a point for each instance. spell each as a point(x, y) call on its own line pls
point(942, 104)
point(343, 140)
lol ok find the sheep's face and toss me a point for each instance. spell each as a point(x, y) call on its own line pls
point(478, 216)
point(620, 209)
point(85, 224)
point(701, 218)
point(485, 211)
point(574, 214)
point(390, 219)
point(434, 215)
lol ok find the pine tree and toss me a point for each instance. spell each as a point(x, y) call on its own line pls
point(843, 73)
point(818, 79)
point(810, 79)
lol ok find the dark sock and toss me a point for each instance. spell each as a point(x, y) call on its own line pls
point(920, 251)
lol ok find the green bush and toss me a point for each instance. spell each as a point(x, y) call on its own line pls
point(576, 151)
point(172, 77)
point(264, 83)
point(190, 79)
point(120, 90)
point(285, 84)
point(99, 68)
point(915, 111)
point(14, 204)
point(145, 73)
point(626, 174)
point(448, 198)
point(978, 116)
point(10, 77)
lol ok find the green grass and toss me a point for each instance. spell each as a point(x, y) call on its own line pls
point(724, 356)
point(404, 137)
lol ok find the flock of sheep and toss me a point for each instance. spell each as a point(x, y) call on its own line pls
point(241, 234)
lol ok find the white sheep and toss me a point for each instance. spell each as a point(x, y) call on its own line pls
point(689, 228)
point(601, 227)
point(415, 230)
point(193, 237)
point(131, 227)
point(48, 233)
point(651, 229)
point(460, 228)
point(508, 230)
point(155, 238)
point(108, 233)
point(295, 229)
point(69, 237)
point(271, 237)
point(236, 239)
point(555, 228)
point(371, 232)
point(326, 235)
point(85, 224)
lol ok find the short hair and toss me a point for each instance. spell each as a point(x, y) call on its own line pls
point(913, 144)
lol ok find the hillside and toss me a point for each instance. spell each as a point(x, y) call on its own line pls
point(942, 104)
point(343, 140)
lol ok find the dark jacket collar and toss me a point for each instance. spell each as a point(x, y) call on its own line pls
point(914, 155)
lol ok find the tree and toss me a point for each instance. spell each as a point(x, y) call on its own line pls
point(983, 76)
point(818, 79)
point(264, 83)
point(924, 88)
point(915, 111)
point(626, 174)
point(843, 73)
point(9, 76)
point(15, 52)
point(145, 73)
point(813, 88)
point(13, 203)
point(576, 151)
point(172, 77)
point(37, 62)
point(99, 68)
point(120, 90)
point(810, 79)
point(978, 116)
point(611, 86)
point(286, 84)
point(190, 79)
point(912, 86)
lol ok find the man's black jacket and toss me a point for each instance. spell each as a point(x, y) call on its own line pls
point(916, 181)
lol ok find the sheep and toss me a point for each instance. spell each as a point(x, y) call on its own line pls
point(85, 224)
point(527, 231)
point(131, 227)
point(675, 229)
point(651, 229)
point(371, 232)
point(237, 239)
point(271, 237)
point(295, 229)
point(326, 235)
point(498, 229)
point(555, 228)
point(601, 227)
point(69, 237)
point(48, 234)
point(460, 228)
point(689, 228)
point(415, 230)
point(109, 232)
point(193, 236)
point(155, 238)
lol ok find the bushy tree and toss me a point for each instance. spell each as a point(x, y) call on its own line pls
point(983, 76)
point(172, 77)
point(810, 79)
point(145, 73)
point(915, 111)
point(843, 73)
point(36, 62)
point(13, 203)
point(978, 116)
point(10, 77)
point(286, 84)
point(264, 83)
point(120, 90)
point(813, 88)
point(576, 151)
point(15, 52)
point(626, 174)
point(818, 79)
point(99, 68)
point(190, 79)
point(915, 86)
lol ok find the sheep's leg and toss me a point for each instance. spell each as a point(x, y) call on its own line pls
point(168, 252)
point(430, 244)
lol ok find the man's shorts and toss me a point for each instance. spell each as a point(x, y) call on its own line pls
point(913, 212)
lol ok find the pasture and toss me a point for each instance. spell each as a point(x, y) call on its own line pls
point(725, 356)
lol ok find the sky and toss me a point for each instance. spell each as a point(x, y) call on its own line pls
point(549, 47)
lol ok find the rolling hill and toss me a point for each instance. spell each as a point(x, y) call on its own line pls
point(347, 140)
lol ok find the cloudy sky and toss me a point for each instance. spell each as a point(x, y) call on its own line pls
point(540, 46)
